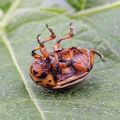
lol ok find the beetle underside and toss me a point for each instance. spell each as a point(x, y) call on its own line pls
point(76, 69)
point(74, 66)
point(61, 68)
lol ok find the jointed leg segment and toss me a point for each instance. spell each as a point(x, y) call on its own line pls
point(70, 34)
point(34, 54)
point(57, 44)
point(52, 36)
point(41, 45)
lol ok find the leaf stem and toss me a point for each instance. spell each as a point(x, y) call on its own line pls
point(30, 92)
point(7, 17)
point(95, 10)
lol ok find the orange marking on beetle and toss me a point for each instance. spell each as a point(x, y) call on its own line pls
point(92, 57)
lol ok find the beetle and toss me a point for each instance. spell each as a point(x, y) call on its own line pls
point(63, 67)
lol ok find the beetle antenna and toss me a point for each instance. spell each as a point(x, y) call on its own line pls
point(100, 55)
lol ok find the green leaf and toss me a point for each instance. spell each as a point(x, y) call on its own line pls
point(95, 3)
point(15, 102)
point(78, 4)
point(5, 4)
point(85, 4)
point(97, 98)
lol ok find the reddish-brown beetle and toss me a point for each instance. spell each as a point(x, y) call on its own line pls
point(61, 68)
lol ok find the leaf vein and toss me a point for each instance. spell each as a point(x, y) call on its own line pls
point(30, 92)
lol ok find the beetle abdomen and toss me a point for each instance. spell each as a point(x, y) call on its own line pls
point(77, 61)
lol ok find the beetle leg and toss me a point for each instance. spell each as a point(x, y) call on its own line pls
point(70, 34)
point(43, 51)
point(42, 47)
point(52, 36)
point(56, 48)
point(34, 54)
point(57, 44)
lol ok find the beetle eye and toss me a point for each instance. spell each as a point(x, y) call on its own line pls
point(43, 75)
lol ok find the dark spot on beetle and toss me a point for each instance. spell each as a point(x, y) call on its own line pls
point(43, 75)
point(34, 72)
point(39, 81)
point(49, 81)
point(47, 85)
point(75, 51)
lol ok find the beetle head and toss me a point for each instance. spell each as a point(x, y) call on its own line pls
point(41, 74)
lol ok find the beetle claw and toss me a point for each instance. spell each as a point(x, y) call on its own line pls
point(39, 39)
point(102, 58)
